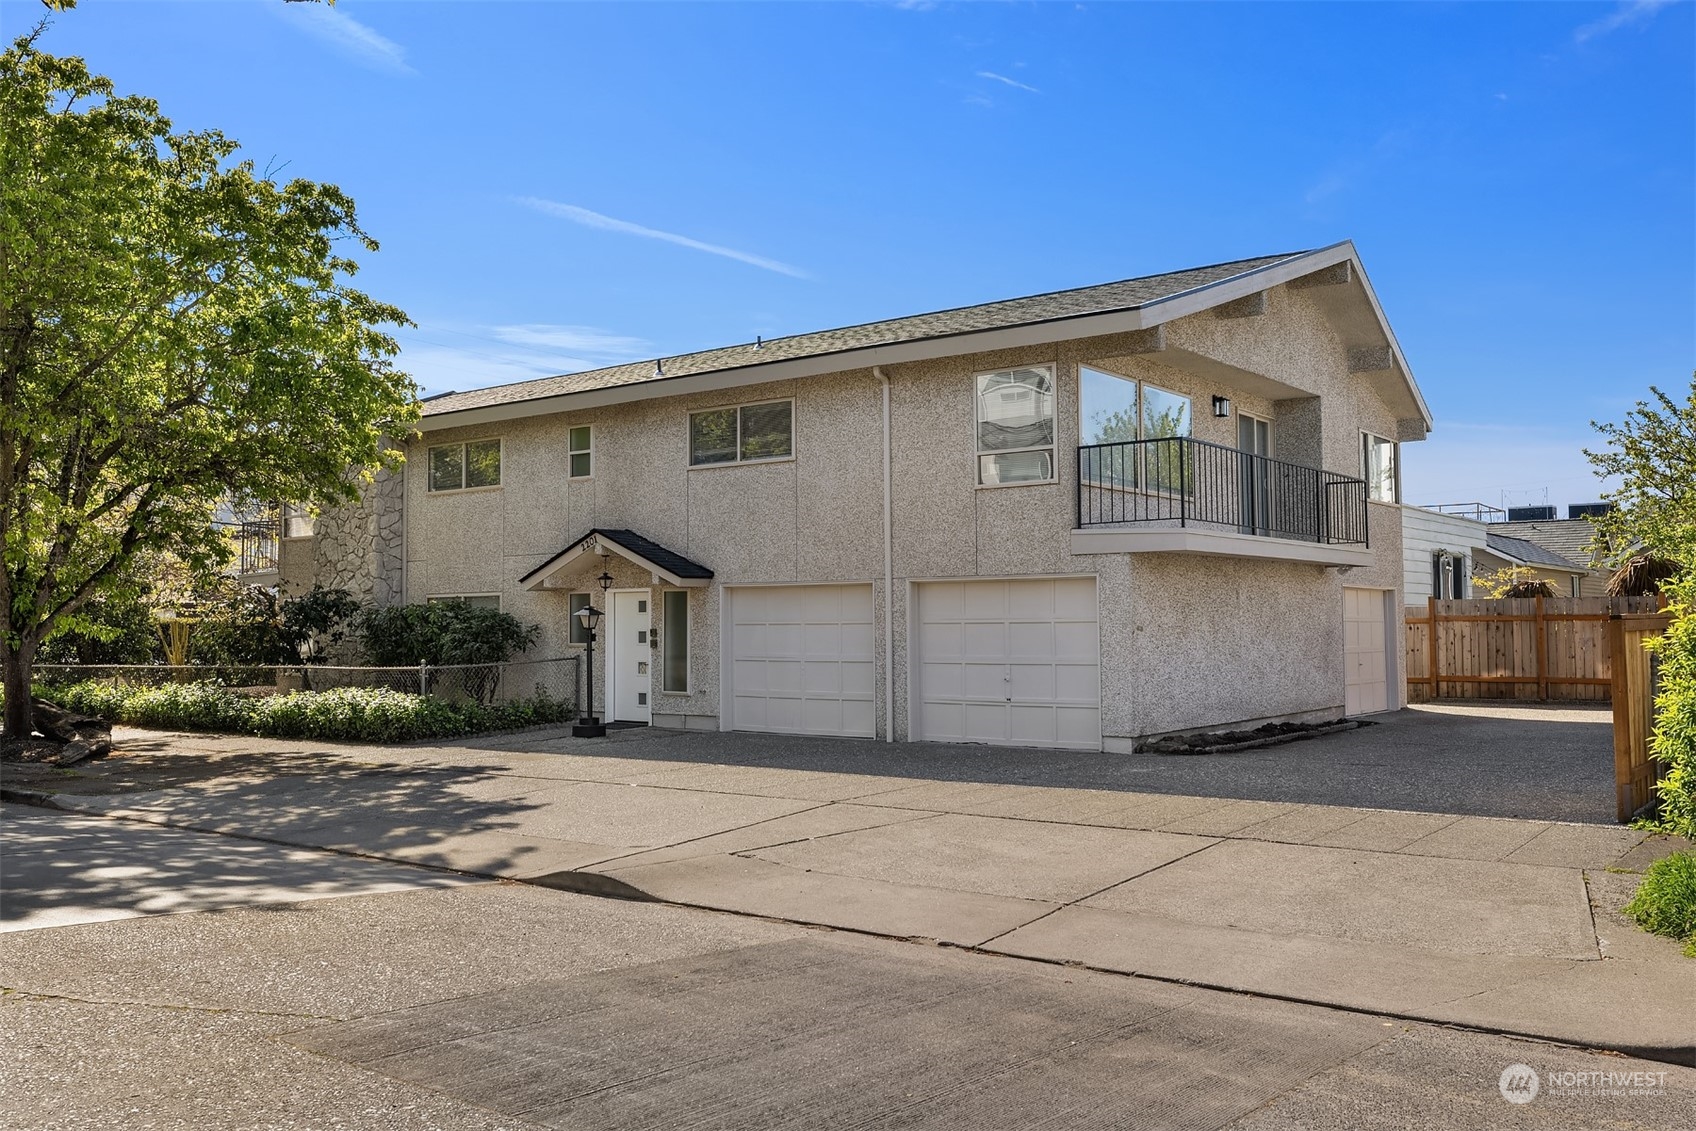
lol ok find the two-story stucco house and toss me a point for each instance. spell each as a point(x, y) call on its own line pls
point(1072, 520)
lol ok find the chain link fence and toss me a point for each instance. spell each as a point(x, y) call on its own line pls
point(556, 678)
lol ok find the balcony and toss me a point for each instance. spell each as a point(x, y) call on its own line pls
point(256, 548)
point(1182, 495)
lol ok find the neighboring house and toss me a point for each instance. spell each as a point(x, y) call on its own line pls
point(1571, 539)
point(1438, 553)
point(1503, 551)
point(1076, 520)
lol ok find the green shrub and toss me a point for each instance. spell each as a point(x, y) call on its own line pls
point(346, 714)
point(1665, 903)
point(1673, 742)
point(443, 632)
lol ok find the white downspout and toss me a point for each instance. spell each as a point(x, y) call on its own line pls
point(888, 571)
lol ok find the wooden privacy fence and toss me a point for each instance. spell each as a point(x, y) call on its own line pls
point(1536, 648)
point(1634, 686)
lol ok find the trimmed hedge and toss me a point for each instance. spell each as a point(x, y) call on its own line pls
point(347, 714)
point(1673, 741)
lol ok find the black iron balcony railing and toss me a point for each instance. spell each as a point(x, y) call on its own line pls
point(256, 545)
point(1195, 483)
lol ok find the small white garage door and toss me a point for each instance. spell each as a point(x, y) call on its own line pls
point(1366, 665)
point(801, 660)
point(1014, 663)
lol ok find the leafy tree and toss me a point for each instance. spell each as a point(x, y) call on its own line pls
point(1513, 581)
point(175, 327)
point(1653, 452)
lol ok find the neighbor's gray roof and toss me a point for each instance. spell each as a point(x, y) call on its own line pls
point(1521, 550)
point(1055, 306)
point(1568, 537)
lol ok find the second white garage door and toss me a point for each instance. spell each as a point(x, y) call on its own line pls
point(801, 660)
point(1366, 667)
point(1014, 663)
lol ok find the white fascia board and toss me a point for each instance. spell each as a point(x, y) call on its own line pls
point(566, 561)
point(1189, 540)
point(1048, 332)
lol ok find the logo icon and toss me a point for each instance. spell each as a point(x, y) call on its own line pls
point(1519, 1083)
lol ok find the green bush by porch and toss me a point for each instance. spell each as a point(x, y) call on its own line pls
point(349, 714)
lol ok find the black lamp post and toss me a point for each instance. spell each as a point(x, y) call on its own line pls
point(588, 726)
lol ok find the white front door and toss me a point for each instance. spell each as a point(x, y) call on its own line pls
point(1013, 663)
point(629, 656)
point(1366, 662)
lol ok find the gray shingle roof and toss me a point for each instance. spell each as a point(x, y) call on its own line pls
point(1106, 298)
point(1568, 537)
point(647, 548)
point(1519, 549)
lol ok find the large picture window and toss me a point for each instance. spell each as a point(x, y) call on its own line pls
point(1015, 426)
point(456, 467)
point(1378, 467)
point(743, 434)
point(1116, 410)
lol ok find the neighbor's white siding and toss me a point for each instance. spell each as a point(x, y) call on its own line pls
point(1424, 534)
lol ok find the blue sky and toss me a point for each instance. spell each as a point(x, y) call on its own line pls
point(562, 186)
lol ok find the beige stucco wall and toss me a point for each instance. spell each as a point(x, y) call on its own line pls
point(1187, 641)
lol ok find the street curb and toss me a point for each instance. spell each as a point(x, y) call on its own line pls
point(601, 886)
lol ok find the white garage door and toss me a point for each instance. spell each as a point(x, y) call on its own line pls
point(1365, 661)
point(1015, 663)
point(801, 660)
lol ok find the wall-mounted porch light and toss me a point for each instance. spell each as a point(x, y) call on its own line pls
point(1221, 406)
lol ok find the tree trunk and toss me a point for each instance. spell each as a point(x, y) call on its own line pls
point(18, 664)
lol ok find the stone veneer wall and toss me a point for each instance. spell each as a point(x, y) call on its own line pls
point(358, 546)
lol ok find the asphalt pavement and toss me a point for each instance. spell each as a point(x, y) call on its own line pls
point(496, 1005)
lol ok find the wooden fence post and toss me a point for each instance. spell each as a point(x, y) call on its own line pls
point(1431, 646)
point(1542, 627)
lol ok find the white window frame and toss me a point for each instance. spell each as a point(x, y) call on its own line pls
point(688, 687)
point(588, 451)
point(444, 598)
point(293, 513)
point(1140, 485)
point(1052, 448)
point(431, 489)
point(688, 453)
point(1395, 468)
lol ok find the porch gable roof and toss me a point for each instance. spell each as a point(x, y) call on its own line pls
point(665, 564)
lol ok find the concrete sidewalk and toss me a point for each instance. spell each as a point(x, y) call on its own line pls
point(1503, 925)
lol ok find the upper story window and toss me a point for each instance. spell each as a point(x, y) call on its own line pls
point(298, 521)
point(1015, 426)
point(457, 467)
point(743, 434)
point(581, 441)
point(1116, 410)
point(1378, 467)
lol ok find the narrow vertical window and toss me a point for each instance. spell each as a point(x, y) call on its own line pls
point(581, 444)
point(674, 676)
point(1378, 467)
point(575, 602)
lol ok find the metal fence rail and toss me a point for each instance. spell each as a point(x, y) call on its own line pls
point(1187, 482)
point(553, 678)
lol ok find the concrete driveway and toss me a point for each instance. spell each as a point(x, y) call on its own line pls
point(1548, 763)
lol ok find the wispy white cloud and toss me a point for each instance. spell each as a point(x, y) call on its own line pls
point(1627, 14)
point(1014, 83)
point(608, 224)
point(441, 356)
point(356, 40)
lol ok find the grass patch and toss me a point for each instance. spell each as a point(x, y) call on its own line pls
point(346, 714)
point(1665, 903)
